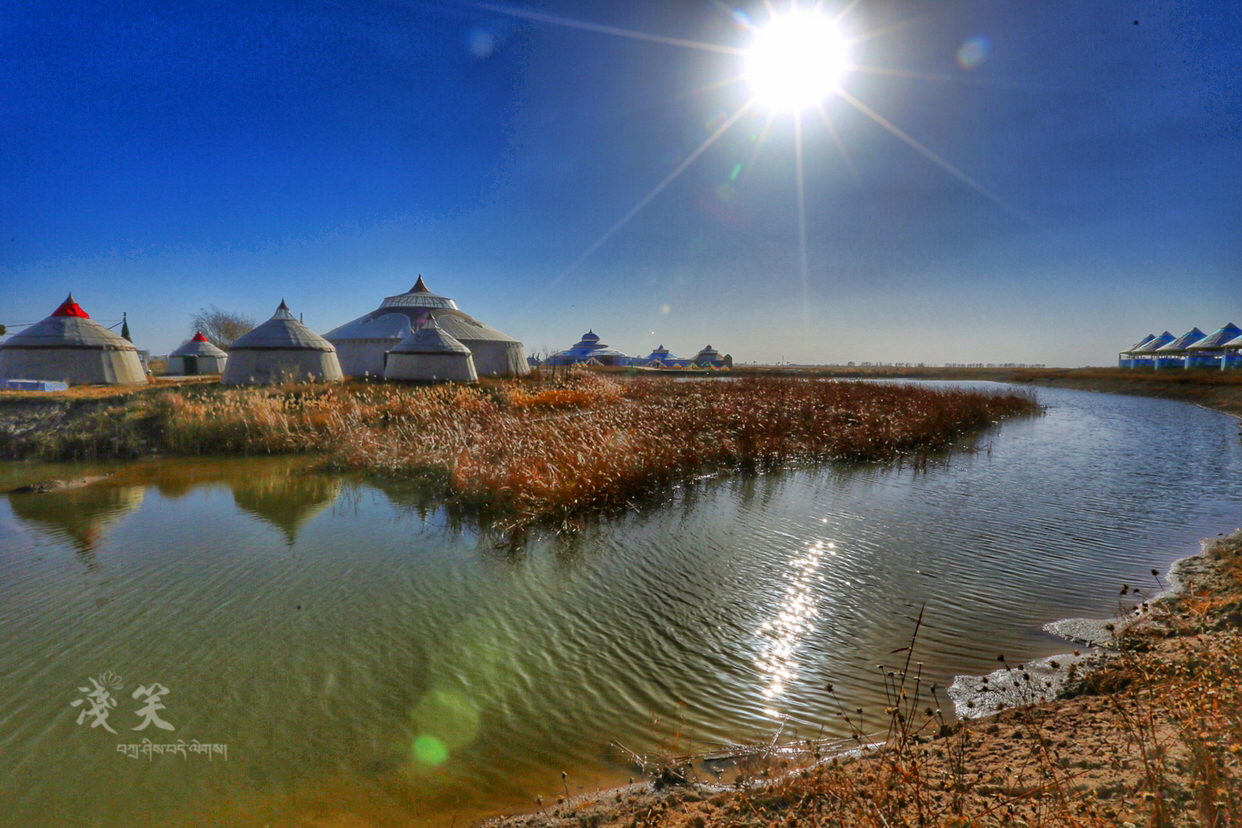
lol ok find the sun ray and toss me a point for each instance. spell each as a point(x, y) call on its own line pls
point(655, 191)
point(845, 156)
point(737, 15)
point(898, 26)
point(855, 173)
point(763, 136)
point(802, 261)
point(845, 11)
point(928, 76)
point(713, 86)
point(540, 17)
point(933, 157)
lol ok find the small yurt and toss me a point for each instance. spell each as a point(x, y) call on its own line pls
point(282, 349)
point(363, 343)
point(198, 356)
point(430, 355)
point(71, 347)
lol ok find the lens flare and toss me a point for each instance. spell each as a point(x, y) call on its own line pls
point(796, 61)
point(973, 52)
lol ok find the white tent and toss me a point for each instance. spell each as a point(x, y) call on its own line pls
point(430, 355)
point(281, 349)
point(198, 356)
point(71, 347)
point(363, 343)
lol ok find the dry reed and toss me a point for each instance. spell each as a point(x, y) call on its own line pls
point(522, 453)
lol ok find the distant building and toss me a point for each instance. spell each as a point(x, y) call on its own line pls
point(1232, 358)
point(662, 358)
point(1209, 352)
point(590, 351)
point(1173, 355)
point(709, 357)
point(198, 356)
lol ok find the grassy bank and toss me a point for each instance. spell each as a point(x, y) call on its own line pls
point(1219, 390)
point(518, 451)
point(1154, 738)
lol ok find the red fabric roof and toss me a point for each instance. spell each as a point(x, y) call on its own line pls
point(198, 337)
point(71, 308)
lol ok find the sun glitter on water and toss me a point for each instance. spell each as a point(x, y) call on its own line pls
point(796, 61)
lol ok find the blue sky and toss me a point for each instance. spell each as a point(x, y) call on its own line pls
point(1068, 190)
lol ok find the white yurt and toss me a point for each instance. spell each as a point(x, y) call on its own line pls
point(71, 347)
point(363, 343)
point(430, 354)
point(282, 349)
point(198, 356)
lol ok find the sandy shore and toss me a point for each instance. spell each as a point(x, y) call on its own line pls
point(1148, 734)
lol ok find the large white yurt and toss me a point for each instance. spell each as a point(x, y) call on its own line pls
point(198, 356)
point(282, 349)
point(363, 343)
point(430, 354)
point(71, 347)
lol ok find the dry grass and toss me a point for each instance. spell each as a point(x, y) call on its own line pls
point(520, 452)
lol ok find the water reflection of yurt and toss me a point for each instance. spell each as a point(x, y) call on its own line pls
point(80, 515)
point(286, 499)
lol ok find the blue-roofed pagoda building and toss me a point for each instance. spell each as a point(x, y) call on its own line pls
point(1232, 358)
point(590, 351)
point(1173, 355)
point(1143, 355)
point(1209, 352)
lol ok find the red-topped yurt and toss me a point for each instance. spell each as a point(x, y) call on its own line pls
point(198, 356)
point(71, 347)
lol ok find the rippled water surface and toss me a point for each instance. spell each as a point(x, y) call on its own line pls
point(363, 662)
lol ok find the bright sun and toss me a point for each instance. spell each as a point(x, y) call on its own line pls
point(796, 61)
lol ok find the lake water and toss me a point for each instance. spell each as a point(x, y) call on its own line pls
point(360, 660)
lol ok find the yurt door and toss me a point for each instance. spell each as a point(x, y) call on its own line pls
point(191, 364)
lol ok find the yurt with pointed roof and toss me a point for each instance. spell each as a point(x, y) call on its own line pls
point(71, 347)
point(282, 349)
point(661, 357)
point(1209, 351)
point(709, 357)
point(1173, 355)
point(198, 356)
point(430, 354)
point(1125, 358)
point(363, 344)
point(1144, 355)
